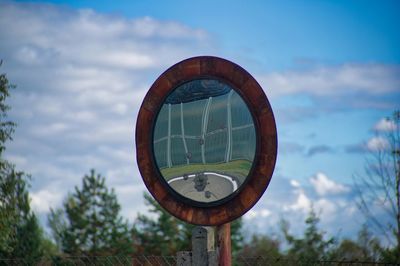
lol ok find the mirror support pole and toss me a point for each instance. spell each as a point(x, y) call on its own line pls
point(224, 244)
point(199, 246)
point(211, 246)
point(203, 248)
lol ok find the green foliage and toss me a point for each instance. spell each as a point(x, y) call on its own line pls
point(20, 233)
point(7, 127)
point(261, 246)
point(14, 207)
point(369, 244)
point(237, 235)
point(8, 180)
point(58, 225)
point(366, 248)
point(89, 223)
point(390, 256)
point(312, 246)
point(164, 234)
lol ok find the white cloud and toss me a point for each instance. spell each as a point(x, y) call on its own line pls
point(385, 125)
point(28, 55)
point(81, 77)
point(302, 203)
point(325, 186)
point(128, 59)
point(51, 129)
point(294, 183)
point(44, 199)
point(335, 80)
point(377, 144)
point(327, 208)
point(251, 214)
point(18, 160)
point(131, 195)
point(257, 214)
point(265, 213)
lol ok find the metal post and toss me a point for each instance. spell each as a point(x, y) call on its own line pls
point(224, 245)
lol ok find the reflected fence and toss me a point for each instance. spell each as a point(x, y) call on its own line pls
point(212, 130)
point(150, 260)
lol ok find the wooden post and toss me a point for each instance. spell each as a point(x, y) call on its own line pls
point(199, 246)
point(184, 258)
point(203, 249)
point(224, 245)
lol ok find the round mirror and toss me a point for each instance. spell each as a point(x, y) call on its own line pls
point(204, 140)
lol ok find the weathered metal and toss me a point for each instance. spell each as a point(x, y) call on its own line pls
point(264, 122)
point(224, 245)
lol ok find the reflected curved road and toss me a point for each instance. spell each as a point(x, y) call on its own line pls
point(209, 187)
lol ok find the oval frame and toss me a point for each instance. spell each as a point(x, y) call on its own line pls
point(266, 135)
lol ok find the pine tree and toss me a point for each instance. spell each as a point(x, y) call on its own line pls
point(365, 248)
point(164, 235)
point(261, 246)
point(312, 246)
point(89, 223)
point(21, 235)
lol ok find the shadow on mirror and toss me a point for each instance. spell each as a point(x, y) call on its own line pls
point(204, 140)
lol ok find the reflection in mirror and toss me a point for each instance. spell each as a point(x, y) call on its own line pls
point(204, 140)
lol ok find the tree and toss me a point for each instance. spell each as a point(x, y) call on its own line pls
point(261, 246)
point(7, 126)
point(89, 223)
point(312, 246)
point(236, 235)
point(20, 233)
point(8, 213)
point(365, 248)
point(379, 187)
point(165, 235)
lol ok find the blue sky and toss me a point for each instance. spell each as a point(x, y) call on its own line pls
point(329, 68)
point(277, 34)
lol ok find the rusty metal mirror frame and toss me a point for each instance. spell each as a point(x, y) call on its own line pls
point(239, 202)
